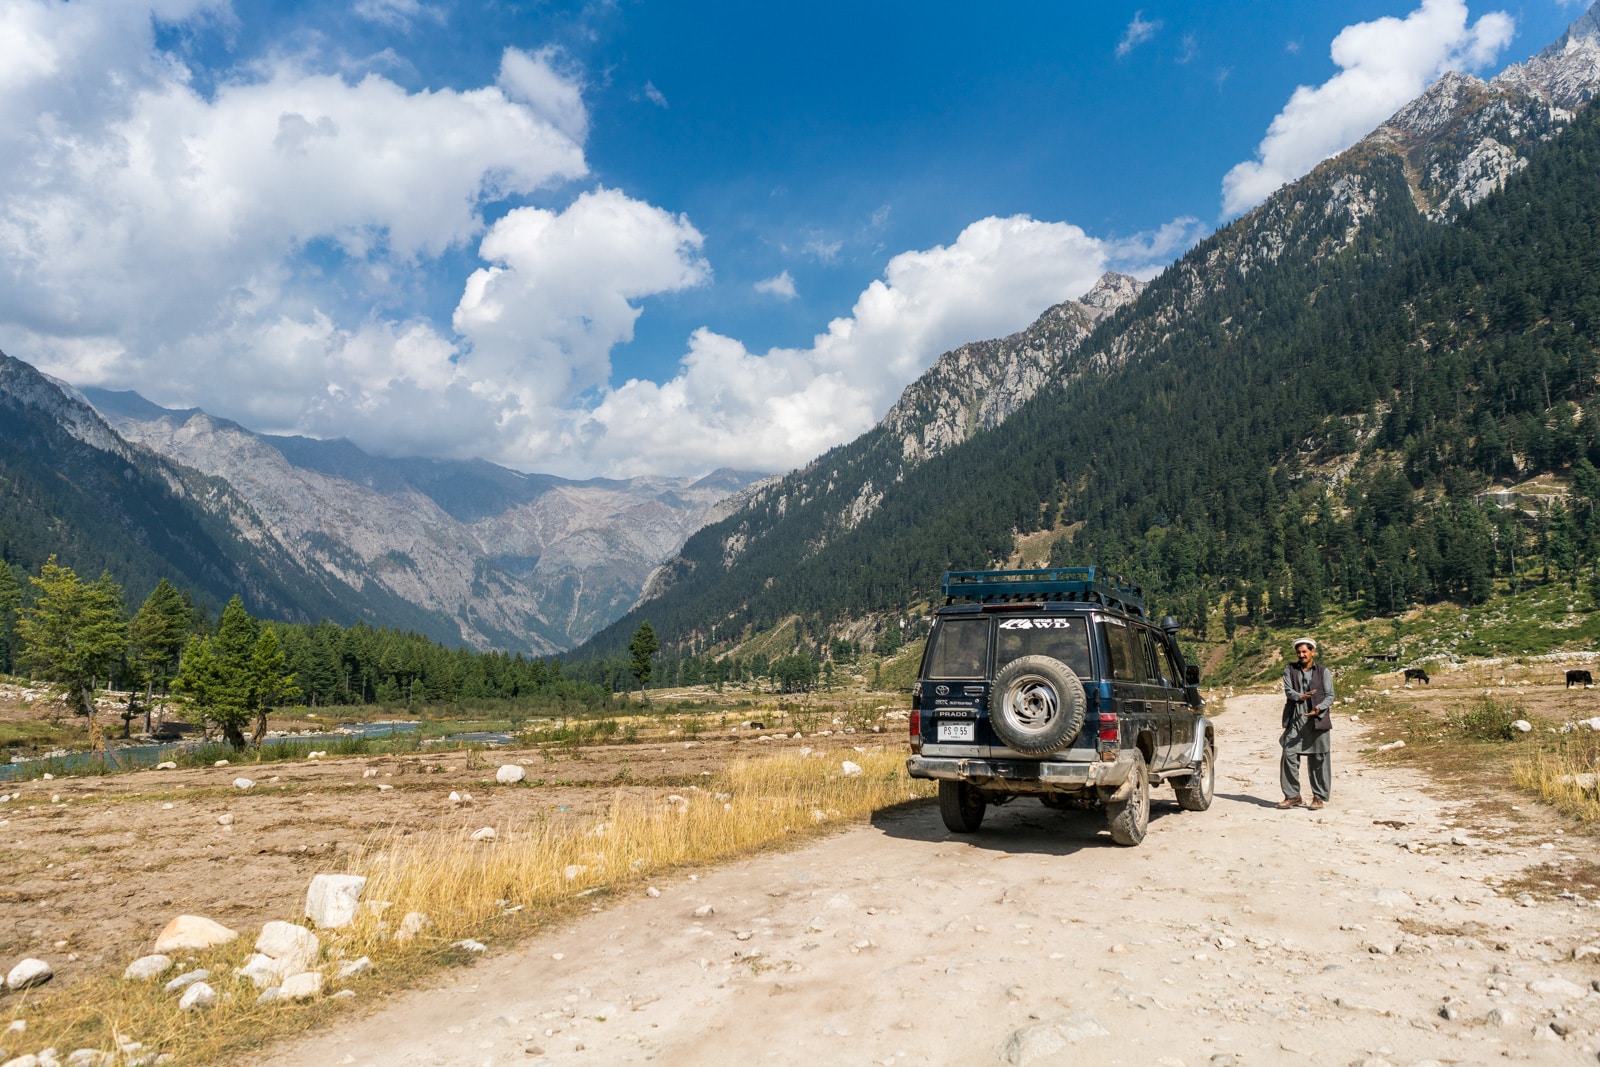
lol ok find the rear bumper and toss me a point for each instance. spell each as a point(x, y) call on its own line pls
point(1022, 776)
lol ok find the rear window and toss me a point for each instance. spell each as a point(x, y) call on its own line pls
point(1065, 639)
point(959, 649)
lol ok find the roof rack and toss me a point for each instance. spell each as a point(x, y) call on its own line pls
point(1088, 585)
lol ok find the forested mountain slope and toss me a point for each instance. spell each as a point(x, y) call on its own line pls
point(1302, 407)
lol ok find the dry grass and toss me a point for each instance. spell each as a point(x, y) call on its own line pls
point(530, 875)
point(1554, 774)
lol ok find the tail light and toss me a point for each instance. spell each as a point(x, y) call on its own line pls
point(1110, 730)
point(916, 729)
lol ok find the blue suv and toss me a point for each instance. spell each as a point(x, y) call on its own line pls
point(1054, 684)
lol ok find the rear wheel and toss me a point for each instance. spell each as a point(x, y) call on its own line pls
point(961, 807)
point(1129, 818)
point(1195, 792)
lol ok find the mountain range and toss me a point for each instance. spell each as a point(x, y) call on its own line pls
point(465, 552)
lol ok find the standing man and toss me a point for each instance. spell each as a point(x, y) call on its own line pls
point(1307, 722)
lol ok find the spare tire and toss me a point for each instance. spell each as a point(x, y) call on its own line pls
point(1036, 705)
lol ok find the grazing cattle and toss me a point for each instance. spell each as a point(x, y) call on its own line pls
point(1416, 674)
point(1583, 678)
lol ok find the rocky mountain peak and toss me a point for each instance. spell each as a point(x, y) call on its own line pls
point(1566, 73)
point(1111, 292)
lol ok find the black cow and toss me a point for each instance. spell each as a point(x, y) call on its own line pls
point(1416, 674)
point(1583, 678)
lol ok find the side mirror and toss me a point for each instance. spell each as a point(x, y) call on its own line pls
point(1191, 674)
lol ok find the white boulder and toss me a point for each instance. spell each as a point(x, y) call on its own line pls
point(146, 968)
point(355, 968)
point(1522, 726)
point(29, 972)
point(192, 933)
point(166, 765)
point(510, 774)
point(331, 899)
point(850, 769)
point(484, 833)
point(413, 924)
point(198, 997)
point(243, 783)
point(302, 986)
point(293, 947)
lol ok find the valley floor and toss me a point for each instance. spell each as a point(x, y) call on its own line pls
point(1391, 927)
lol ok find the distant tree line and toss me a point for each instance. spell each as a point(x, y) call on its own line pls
point(231, 672)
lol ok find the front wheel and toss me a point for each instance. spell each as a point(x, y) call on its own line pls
point(1195, 792)
point(1129, 818)
point(961, 807)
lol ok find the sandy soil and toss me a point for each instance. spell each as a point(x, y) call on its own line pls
point(92, 867)
point(1369, 932)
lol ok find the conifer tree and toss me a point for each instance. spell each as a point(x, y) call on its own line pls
point(72, 635)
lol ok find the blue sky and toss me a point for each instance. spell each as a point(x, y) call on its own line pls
point(632, 237)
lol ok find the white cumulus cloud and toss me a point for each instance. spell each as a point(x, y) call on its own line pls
point(779, 409)
point(1383, 64)
point(780, 285)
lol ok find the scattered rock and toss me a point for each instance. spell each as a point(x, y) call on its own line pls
point(184, 981)
point(370, 772)
point(1501, 1017)
point(1522, 726)
point(704, 911)
point(166, 765)
point(220, 763)
point(302, 986)
point(198, 997)
point(225, 819)
point(264, 972)
point(850, 769)
point(510, 774)
point(147, 967)
point(1557, 989)
point(1042, 1042)
point(354, 969)
point(28, 973)
point(243, 783)
point(1586, 782)
point(1391, 898)
point(331, 899)
point(652, 891)
point(89, 1057)
point(267, 996)
point(472, 946)
point(572, 871)
point(293, 948)
point(1391, 746)
point(192, 933)
point(413, 924)
point(485, 833)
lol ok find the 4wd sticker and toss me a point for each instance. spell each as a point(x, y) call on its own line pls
point(1037, 624)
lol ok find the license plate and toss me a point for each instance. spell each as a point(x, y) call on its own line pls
point(957, 731)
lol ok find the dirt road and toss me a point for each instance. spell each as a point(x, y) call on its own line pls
point(1369, 932)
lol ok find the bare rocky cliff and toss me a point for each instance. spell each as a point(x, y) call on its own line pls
point(536, 571)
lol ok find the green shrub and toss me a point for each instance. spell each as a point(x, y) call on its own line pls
point(1487, 718)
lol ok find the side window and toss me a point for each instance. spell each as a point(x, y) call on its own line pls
point(1127, 658)
point(960, 649)
point(1154, 669)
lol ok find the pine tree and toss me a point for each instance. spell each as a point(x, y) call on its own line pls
point(72, 636)
point(641, 652)
point(10, 601)
point(156, 638)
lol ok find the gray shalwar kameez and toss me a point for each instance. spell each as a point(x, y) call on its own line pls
point(1300, 739)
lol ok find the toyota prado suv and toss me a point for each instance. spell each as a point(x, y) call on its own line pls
point(1053, 684)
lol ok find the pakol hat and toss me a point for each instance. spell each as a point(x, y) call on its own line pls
point(1311, 641)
